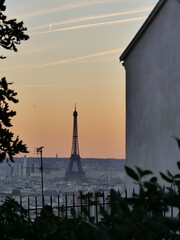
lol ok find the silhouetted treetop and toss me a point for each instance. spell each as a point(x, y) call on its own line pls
point(9, 146)
point(11, 31)
point(6, 94)
point(11, 34)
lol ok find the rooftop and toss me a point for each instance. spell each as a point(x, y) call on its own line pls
point(143, 29)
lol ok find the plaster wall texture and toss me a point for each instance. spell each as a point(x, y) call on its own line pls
point(153, 94)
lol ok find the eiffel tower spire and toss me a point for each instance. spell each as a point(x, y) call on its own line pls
point(75, 145)
point(74, 171)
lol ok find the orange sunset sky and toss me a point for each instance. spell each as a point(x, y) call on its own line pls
point(72, 56)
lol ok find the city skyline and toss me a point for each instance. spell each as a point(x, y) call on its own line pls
point(72, 56)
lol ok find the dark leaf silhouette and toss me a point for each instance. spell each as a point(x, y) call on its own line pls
point(143, 173)
point(178, 141)
point(178, 164)
point(166, 178)
point(131, 173)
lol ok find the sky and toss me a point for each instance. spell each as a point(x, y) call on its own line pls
point(72, 56)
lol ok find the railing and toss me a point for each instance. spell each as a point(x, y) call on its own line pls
point(67, 205)
point(71, 205)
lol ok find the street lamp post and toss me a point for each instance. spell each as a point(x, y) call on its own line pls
point(39, 150)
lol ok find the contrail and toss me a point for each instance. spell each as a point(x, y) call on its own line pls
point(89, 18)
point(50, 27)
point(65, 61)
point(66, 7)
point(39, 85)
point(91, 25)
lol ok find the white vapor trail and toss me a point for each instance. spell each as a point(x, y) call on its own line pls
point(39, 85)
point(90, 25)
point(64, 61)
point(88, 18)
point(66, 7)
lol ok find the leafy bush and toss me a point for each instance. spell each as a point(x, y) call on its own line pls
point(14, 223)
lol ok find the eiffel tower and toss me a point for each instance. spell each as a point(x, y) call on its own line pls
point(74, 171)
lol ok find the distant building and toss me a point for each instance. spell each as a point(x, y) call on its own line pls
point(152, 64)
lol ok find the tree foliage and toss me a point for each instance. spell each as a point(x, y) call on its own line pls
point(11, 31)
point(11, 34)
point(9, 146)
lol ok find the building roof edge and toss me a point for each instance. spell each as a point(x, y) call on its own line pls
point(142, 30)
